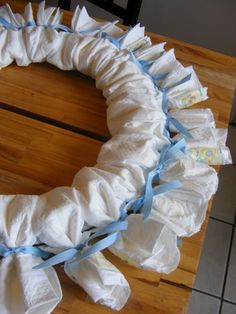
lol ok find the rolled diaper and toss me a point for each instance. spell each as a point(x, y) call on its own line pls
point(183, 210)
point(22, 289)
point(103, 282)
point(148, 244)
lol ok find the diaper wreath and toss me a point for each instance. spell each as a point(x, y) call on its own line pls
point(148, 188)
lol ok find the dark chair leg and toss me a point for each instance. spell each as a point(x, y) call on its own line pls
point(132, 12)
point(64, 4)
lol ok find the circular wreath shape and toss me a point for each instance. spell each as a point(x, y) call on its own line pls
point(145, 191)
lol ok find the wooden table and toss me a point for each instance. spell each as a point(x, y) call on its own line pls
point(53, 123)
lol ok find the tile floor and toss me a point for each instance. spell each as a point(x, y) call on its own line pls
point(214, 291)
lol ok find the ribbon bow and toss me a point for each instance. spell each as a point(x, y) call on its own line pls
point(83, 250)
point(144, 203)
point(33, 250)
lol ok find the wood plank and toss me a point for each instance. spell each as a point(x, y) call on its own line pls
point(64, 96)
point(38, 151)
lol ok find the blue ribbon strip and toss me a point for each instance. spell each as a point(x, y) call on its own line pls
point(179, 242)
point(33, 250)
point(113, 229)
point(143, 204)
point(60, 27)
point(6, 24)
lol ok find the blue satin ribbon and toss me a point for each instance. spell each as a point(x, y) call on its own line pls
point(32, 250)
point(83, 251)
point(179, 242)
point(144, 66)
point(58, 27)
point(97, 247)
point(143, 204)
point(9, 25)
point(165, 102)
point(30, 23)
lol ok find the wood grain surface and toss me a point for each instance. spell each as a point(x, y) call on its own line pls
point(53, 123)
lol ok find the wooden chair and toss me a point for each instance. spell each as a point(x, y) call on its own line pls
point(128, 14)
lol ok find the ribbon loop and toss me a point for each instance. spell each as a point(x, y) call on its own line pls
point(58, 27)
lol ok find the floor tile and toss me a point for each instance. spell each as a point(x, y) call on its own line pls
point(228, 308)
point(224, 203)
point(211, 270)
point(230, 288)
point(231, 141)
point(203, 304)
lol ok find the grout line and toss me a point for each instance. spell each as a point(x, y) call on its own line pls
point(221, 305)
point(54, 122)
point(220, 220)
point(227, 265)
point(213, 296)
point(227, 301)
point(207, 293)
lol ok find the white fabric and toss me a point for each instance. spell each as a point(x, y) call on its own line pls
point(137, 123)
point(82, 22)
point(193, 118)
